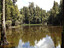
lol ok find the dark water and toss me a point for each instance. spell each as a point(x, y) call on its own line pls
point(34, 37)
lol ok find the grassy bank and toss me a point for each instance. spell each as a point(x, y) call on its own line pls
point(30, 24)
point(15, 26)
point(25, 25)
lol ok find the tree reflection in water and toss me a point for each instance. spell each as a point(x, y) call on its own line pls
point(45, 42)
point(31, 36)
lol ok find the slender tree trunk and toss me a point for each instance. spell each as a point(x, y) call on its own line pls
point(62, 45)
point(3, 35)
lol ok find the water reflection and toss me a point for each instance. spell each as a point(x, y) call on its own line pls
point(24, 45)
point(45, 42)
point(34, 37)
point(58, 46)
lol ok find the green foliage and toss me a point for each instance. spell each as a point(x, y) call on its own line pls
point(8, 23)
point(17, 22)
point(12, 13)
point(26, 13)
point(36, 15)
point(7, 13)
point(55, 17)
point(32, 14)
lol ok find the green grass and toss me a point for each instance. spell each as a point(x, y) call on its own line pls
point(30, 24)
point(15, 26)
point(25, 25)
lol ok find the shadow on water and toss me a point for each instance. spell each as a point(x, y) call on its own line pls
point(62, 45)
point(34, 37)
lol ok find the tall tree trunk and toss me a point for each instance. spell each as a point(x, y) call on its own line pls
point(3, 35)
point(62, 45)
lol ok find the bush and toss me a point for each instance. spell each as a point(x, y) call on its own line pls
point(17, 22)
point(8, 23)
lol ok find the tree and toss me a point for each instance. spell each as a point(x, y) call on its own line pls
point(14, 14)
point(53, 18)
point(11, 13)
point(3, 33)
point(38, 14)
point(0, 12)
point(7, 13)
point(62, 11)
point(31, 8)
point(14, 1)
point(61, 18)
point(55, 12)
point(26, 14)
point(32, 14)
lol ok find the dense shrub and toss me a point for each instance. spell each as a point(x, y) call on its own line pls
point(8, 23)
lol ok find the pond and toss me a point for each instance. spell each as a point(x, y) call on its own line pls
point(34, 37)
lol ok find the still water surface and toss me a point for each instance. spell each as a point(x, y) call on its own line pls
point(34, 37)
